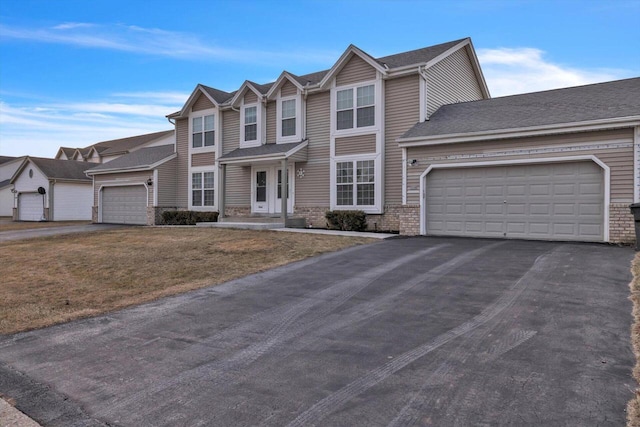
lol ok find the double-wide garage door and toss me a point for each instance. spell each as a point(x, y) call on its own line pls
point(554, 201)
point(124, 205)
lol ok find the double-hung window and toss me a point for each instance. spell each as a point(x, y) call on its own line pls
point(202, 188)
point(288, 117)
point(251, 123)
point(355, 183)
point(355, 113)
point(203, 131)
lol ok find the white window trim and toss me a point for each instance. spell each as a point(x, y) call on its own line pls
point(216, 188)
point(216, 138)
point(376, 208)
point(298, 135)
point(378, 105)
point(259, 122)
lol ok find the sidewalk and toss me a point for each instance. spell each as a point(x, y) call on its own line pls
point(12, 417)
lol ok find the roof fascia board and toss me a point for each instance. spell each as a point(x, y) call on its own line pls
point(351, 50)
point(475, 63)
point(276, 86)
point(591, 125)
point(133, 168)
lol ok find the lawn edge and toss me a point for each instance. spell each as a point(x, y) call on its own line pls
point(633, 406)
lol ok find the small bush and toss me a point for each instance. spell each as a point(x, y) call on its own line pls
point(188, 217)
point(346, 220)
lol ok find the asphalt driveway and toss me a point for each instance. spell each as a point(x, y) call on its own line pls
point(419, 331)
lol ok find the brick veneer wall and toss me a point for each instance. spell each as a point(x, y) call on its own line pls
point(621, 224)
point(314, 215)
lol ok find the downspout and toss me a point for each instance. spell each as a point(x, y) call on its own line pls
point(423, 73)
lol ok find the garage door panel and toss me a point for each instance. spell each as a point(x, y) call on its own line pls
point(546, 201)
point(124, 205)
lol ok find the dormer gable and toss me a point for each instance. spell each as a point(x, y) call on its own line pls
point(247, 94)
point(286, 84)
point(362, 62)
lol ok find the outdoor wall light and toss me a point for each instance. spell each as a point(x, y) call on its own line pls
point(412, 162)
point(149, 182)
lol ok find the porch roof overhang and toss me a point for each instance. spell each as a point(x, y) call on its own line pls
point(294, 151)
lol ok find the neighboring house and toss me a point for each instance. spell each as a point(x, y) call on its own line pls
point(105, 151)
point(52, 190)
point(560, 164)
point(413, 140)
point(129, 189)
point(8, 167)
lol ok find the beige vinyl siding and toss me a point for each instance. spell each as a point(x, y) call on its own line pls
point(354, 71)
point(250, 97)
point(182, 168)
point(122, 178)
point(313, 188)
point(619, 160)
point(202, 103)
point(167, 183)
point(230, 131)
point(288, 89)
point(238, 186)
point(361, 144)
point(203, 159)
point(271, 122)
point(402, 111)
point(452, 80)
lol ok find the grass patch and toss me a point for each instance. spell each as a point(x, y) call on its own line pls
point(633, 407)
point(28, 225)
point(56, 279)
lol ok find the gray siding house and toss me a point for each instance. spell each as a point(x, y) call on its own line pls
point(413, 140)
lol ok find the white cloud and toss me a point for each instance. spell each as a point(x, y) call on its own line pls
point(519, 70)
point(160, 97)
point(39, 130)
point(157, 42)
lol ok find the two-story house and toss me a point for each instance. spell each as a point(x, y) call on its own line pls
point(374, 134)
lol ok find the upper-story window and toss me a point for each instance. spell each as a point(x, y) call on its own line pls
point(358, 114)
point(251, 123)
point(203, 131)
point(289, 117)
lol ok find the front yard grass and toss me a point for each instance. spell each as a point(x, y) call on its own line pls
point(55, 279)
point(633, 407)
point(28, 225)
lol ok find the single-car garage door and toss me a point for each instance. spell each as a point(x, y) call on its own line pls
point(124, 205)
point(30, 207)
point(556, 201)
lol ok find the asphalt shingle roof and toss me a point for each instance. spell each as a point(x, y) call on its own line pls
point(418, 56)
point(62, 169)
point(142, 158)
point(5, 159)
point(609, 100)
point(218, 95)
point(262, 150)
point(125, 144)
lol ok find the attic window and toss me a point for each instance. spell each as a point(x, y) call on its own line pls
point(30, 173)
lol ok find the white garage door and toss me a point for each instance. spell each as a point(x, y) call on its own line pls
point(557, 201)
point(30, 207)
point(124, 205)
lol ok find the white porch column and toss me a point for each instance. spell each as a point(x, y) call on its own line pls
point(283, 190)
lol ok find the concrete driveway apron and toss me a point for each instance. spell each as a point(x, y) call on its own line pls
point(407, 331)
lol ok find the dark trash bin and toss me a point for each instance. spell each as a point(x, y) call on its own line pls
point(635, 211)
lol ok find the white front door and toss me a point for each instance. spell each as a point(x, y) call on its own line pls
point(260, 193)
point(266, 192)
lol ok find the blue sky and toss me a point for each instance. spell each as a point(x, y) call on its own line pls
point(73, 73)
